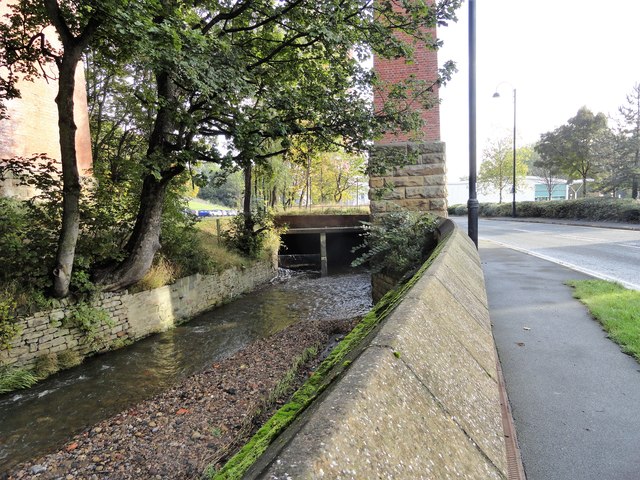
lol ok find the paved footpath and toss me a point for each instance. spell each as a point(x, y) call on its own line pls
point(574, 395)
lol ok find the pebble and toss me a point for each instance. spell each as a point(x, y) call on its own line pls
point(36, 469)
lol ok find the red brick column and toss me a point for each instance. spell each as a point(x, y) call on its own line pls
point(421, 183)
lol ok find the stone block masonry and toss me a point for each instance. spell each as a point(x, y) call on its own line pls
point(133, 316)
point(419, 184)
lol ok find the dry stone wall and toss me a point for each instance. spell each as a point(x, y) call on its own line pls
point(132, 316)
point(419, 185)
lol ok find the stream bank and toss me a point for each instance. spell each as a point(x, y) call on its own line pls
point(203, 419)
point(43, 418)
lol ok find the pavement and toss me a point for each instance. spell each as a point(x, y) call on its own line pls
point(574, 395)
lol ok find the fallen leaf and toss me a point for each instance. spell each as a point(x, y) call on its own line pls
point(182, 411)
point(71, 447)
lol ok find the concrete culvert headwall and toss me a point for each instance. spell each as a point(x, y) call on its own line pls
point(422, 399)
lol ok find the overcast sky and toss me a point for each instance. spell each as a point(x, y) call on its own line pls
point(560, 55)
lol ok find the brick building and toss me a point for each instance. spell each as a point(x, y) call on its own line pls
point(32, 123)
point(420, 185)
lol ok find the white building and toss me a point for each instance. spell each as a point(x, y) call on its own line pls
point(534, 189)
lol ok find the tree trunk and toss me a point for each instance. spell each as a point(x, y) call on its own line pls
point(145, 238)
point(634, 178)
point(584, 185)
point(144, 241)
point(246, 205)
point(70, 176)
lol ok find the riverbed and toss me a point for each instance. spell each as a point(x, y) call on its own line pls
point(41, 419)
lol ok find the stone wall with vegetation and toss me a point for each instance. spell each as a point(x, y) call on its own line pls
point(115, 319)
point(421, 184)
point(422, 399)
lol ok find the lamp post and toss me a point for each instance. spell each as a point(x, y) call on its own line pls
point(513, 190)
point(472, 203)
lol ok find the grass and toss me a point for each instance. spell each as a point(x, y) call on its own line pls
point(15, 379)
point(616, 308)
point(326, 210)
point(338, 360)
point(199, 204)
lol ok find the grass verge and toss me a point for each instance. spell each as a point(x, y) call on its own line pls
point(337, 361)
point(616, 308)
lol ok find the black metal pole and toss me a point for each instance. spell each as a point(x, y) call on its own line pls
point(513, 205)
point(472, 204)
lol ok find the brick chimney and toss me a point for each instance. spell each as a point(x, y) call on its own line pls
point(420, 185)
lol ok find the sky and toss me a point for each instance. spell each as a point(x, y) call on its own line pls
point(559, 55)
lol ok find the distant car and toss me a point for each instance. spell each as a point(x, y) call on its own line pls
point(204, 213)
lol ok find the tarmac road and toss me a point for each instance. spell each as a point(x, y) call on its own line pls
point(574, 395)
point(607, 253)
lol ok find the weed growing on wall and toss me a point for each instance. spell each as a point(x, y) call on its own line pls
point(89, 320)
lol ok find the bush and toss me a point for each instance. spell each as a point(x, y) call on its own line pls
point(398, 244)
point(249, 234)
point(591, 208)
point(46, 365)
point(69, 359)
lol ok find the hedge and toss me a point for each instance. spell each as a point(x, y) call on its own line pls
point(596, 209)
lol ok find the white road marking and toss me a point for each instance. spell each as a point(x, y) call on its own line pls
point(602, 276)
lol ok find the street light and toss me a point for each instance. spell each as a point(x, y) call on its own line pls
point(472, 204)
point(513, 190)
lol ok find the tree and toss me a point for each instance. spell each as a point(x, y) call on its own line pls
point(217, 66)
point(496, 169)
point(545, 167)
point(26, 47)
point(577, 146)
point(335, 175)
point(615, 169)
point(631, 120)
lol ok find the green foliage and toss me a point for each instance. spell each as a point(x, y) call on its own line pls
point(16, 379)
point(398, 244)
point(616, 308)
point(591, 208)
point(29, 229)
point(496, 169)
point(68, 359)
point(46, 365)
point(223, 189)
point(249, 234)
point(577, 147)
point(89, 320)
point(8, 327)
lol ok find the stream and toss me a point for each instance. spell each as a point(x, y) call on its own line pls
point(39, 420)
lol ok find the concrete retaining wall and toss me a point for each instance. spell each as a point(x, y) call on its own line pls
point(133, 316)
point(422, 400)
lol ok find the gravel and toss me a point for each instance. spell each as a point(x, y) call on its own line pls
point(204, 419)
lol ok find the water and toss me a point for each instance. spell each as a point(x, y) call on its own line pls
point(39, 420)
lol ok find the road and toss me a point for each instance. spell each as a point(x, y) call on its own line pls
point(605, 253)
point(573, 393)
